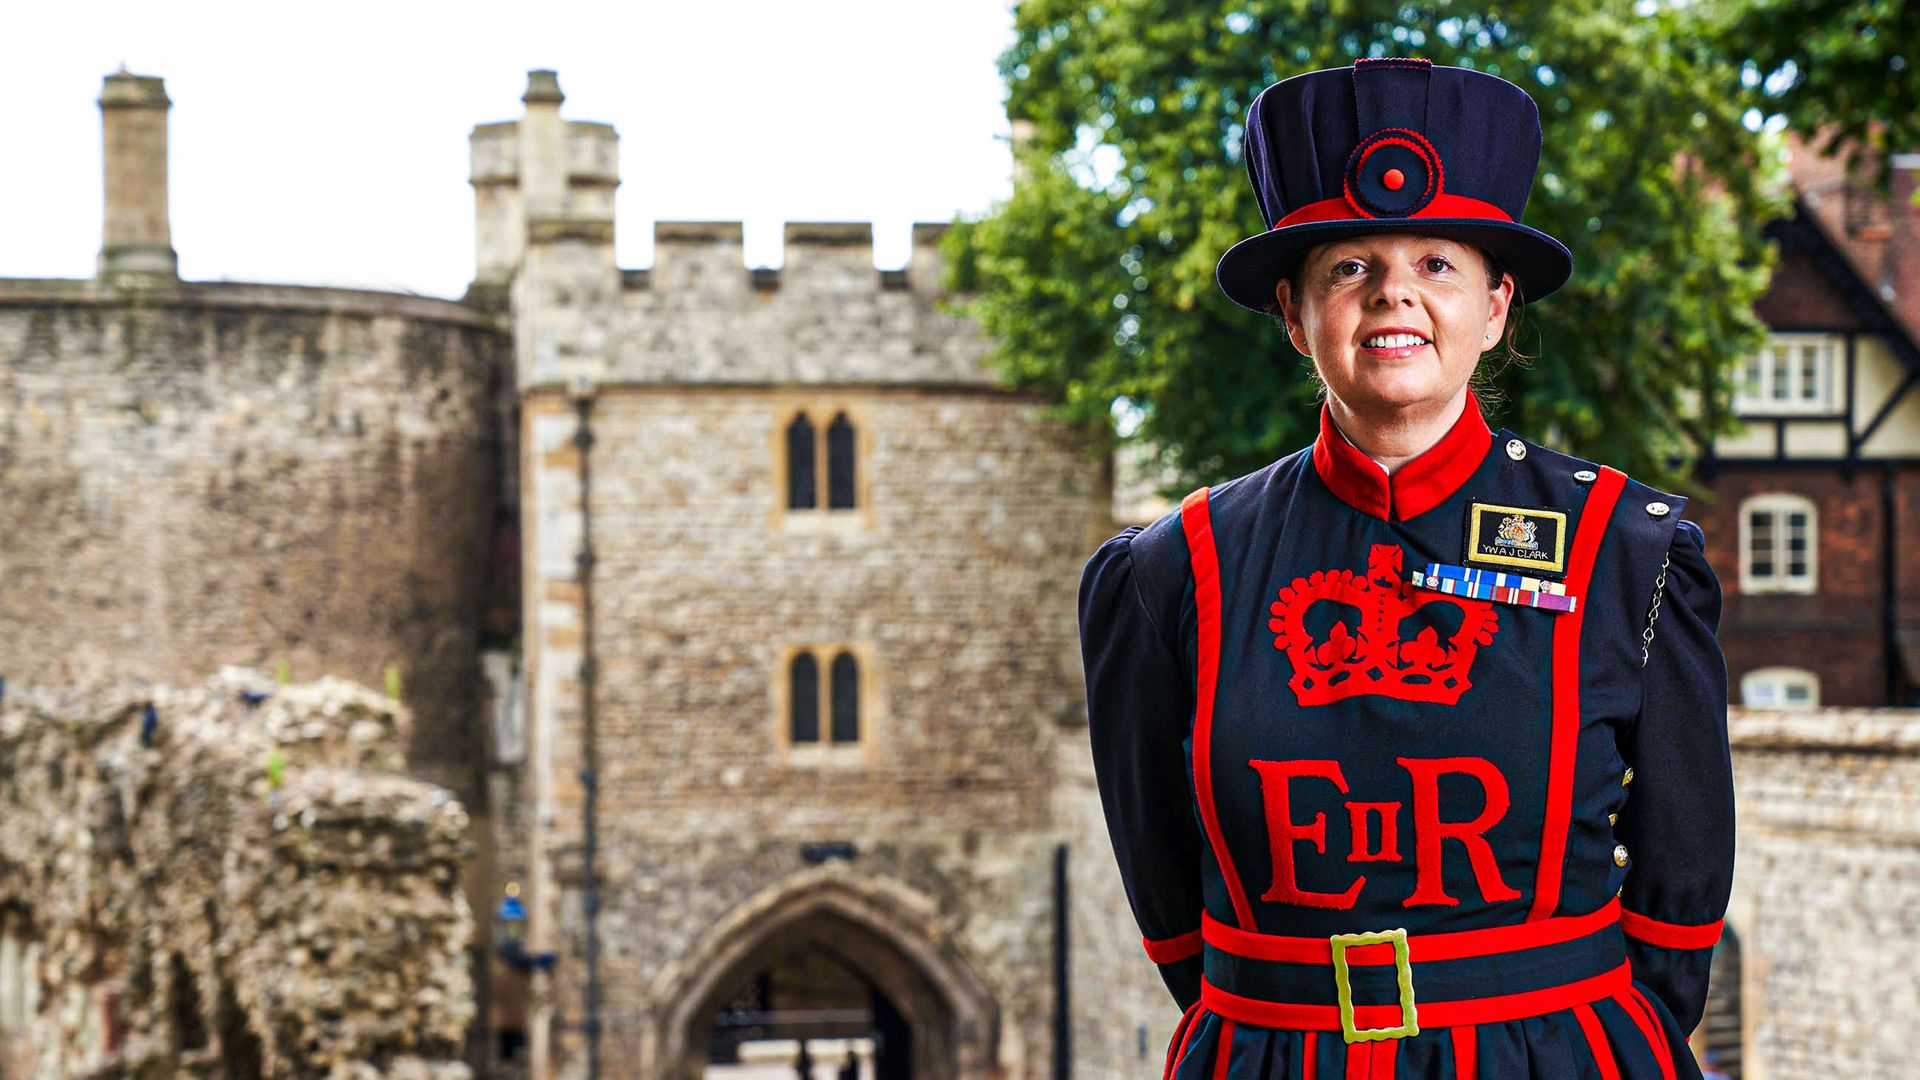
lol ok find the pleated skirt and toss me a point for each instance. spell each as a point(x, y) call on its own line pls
point(1629, 1036)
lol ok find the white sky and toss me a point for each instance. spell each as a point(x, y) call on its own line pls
point(327, 143)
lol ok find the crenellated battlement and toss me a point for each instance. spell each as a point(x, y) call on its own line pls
point(815, 254)
point(825, 312)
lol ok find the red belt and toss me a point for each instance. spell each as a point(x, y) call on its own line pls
point(1586, 955)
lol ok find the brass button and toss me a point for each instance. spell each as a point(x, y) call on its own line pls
point(1612, 818)
point(1619, 854)
point(1626, 777)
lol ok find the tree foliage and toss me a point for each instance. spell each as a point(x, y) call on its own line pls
point(1095, 279)
point(1849, 69)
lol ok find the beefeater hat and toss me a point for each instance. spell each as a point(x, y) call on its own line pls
point(1391, 144)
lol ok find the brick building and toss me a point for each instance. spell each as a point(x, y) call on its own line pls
point(1814, 511)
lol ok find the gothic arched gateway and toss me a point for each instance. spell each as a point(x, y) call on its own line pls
point(877, 932)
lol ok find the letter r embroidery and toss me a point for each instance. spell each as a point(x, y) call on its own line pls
point(1429, 830)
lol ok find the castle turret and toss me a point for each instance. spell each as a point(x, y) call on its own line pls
point(540, 178)
point(136, 242)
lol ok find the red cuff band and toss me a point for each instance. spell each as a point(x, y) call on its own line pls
point(1670, 935)
point(1174, 949)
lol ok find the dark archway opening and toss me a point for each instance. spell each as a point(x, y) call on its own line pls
point(826, 995)
point(808, 1011)
point(1721, 1025)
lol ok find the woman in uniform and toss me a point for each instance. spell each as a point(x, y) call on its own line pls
point(1412, 744)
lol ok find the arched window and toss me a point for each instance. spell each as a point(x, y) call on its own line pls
point(840, 463)
point(800, 473)
point(1779, 544)
point(1780, 688)
point(824, 695)
point(846, 698)
point(803, 699)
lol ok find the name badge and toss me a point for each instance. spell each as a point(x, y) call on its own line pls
point(1532, 539)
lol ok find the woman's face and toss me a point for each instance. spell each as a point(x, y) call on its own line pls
point(1352, 290)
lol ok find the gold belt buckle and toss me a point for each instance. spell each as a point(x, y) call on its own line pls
point(1344, 987)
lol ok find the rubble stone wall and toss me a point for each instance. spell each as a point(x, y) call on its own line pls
point(230, 881)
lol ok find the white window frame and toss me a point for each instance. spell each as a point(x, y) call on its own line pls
point(1778, 580)
point(1773, 687)
point(1756, 385)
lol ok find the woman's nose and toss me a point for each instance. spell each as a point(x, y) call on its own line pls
point(1392, 286)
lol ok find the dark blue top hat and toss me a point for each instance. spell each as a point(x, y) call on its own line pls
point(1391, 144)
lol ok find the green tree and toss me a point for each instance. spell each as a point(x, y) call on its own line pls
point(1095, 279)
point(1849, 69)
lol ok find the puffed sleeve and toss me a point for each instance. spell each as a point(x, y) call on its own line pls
point(1139, 711)
point(1677, 823)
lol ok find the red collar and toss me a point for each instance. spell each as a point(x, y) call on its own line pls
point(1417, 486)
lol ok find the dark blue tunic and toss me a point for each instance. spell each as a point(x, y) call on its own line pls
point(1294, 742)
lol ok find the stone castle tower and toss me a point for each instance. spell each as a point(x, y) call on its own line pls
point(203, 474)
point(803, 717)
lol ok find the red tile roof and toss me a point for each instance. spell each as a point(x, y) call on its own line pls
point(1878, 234)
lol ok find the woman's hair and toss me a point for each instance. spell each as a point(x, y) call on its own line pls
point(1482, 378)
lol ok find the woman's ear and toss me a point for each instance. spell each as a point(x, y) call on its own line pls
point(1498, 309)
point(1297, 334)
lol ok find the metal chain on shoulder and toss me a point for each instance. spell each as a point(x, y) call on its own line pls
point(1659, 587)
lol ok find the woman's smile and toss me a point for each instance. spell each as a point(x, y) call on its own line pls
point(1395, 343)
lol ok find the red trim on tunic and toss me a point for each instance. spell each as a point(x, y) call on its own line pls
point(1415, 487)
point(1597, 1041)
point(1565, 743)
point(1421, 948)
point(1466, 1052)
point(1671, 935)
point(1359, 1063)
point(1385, 1052)
point(1197, 523)
point(1172, 950)
point(1186, 1036)
point(1429, 1014)
point(1175, 1043)
point(1309, 1055)
point(1442, 206)
point(1223, 1051)
point(1649, 1024)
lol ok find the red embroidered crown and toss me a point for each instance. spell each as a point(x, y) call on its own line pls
point(1374, 659)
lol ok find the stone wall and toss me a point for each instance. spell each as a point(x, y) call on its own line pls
point(229, 881)
point(956, 576)
point(1827, 891)
point(203, 474)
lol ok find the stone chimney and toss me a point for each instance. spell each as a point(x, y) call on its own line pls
point(137, 241)
point(543, 148)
